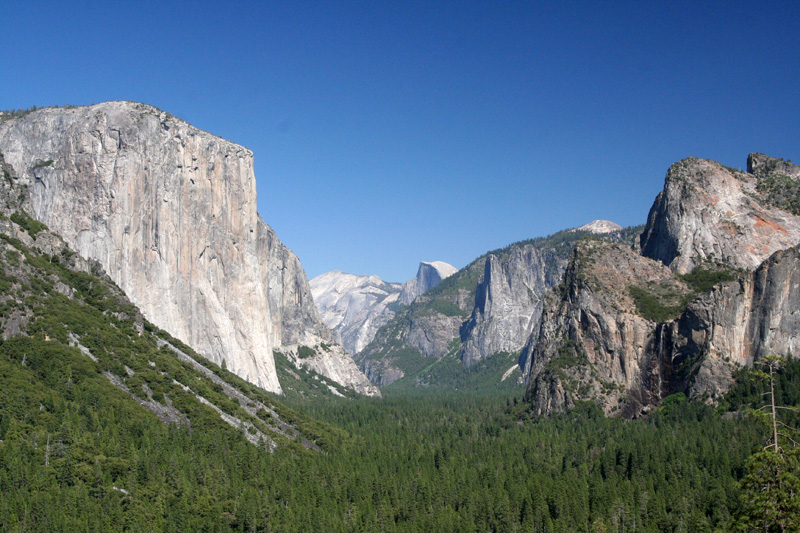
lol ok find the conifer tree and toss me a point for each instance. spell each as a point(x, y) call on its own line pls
point(771, 488)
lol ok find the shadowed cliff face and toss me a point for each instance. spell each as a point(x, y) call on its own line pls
point(170, 213)
point(735, 324)
point(594, 342)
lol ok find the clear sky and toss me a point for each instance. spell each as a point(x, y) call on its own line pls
point(387, 133)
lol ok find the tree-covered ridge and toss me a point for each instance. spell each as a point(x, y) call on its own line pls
point(54, 305)
point(50, 298)
point(780, 191)
point(8, 114)
point(80, 449)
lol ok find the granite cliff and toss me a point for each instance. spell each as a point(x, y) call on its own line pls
point(714, 287)
point(595, 340)
point(738, 322)
point(428, 276)
point(487, 308)
point(354, 307)
point(169, 211)
point(508, 301)
point(77, 335)
point(708, 213)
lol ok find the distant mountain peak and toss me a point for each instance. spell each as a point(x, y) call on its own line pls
point(429, 274)
point(600, 226)
point(354, 306)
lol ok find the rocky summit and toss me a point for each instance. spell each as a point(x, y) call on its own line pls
point(600, 227)
point(428, 276)
point(169, 211)
point(708, 214)
point(356, 307)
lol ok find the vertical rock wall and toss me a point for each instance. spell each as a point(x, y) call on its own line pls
point(508, 302)
point(170, 212)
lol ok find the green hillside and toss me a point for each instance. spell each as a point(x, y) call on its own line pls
point(101, 412)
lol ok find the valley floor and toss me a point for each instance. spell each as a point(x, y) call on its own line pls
point(443, 462)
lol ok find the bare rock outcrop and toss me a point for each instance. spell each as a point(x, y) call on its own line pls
point(487, 308)
point(508, 301)
point(625, 331)
point(170, 213)
point(354, 307)
point(429, 275)
point(593, 343)
point(708, 213)
point(736, 324)
point(332, 361)
point(765, 166)
point(599, 227)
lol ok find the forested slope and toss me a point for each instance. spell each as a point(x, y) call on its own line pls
point(96, 402)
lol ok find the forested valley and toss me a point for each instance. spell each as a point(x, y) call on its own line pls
point(108, 423)
point(76, 455)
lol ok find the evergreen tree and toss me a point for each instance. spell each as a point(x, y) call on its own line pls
point(771, 487)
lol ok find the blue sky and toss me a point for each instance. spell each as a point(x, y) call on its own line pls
point(388, 133)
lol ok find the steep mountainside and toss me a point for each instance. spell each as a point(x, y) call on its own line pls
point(596, 334)
point(169, 211)
point(508, 301)
point(354, 307)
point(487, 308)
point(625, 331)
point(424, 329)
point(69, 334)
point(738, 322)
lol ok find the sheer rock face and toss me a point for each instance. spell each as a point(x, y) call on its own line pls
point(354, 307)
point(710, 213)
point(428, 276)
point(490, 306)
point(170, 213)
point(508, 301)
point(592, 343)
point(737, 323)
